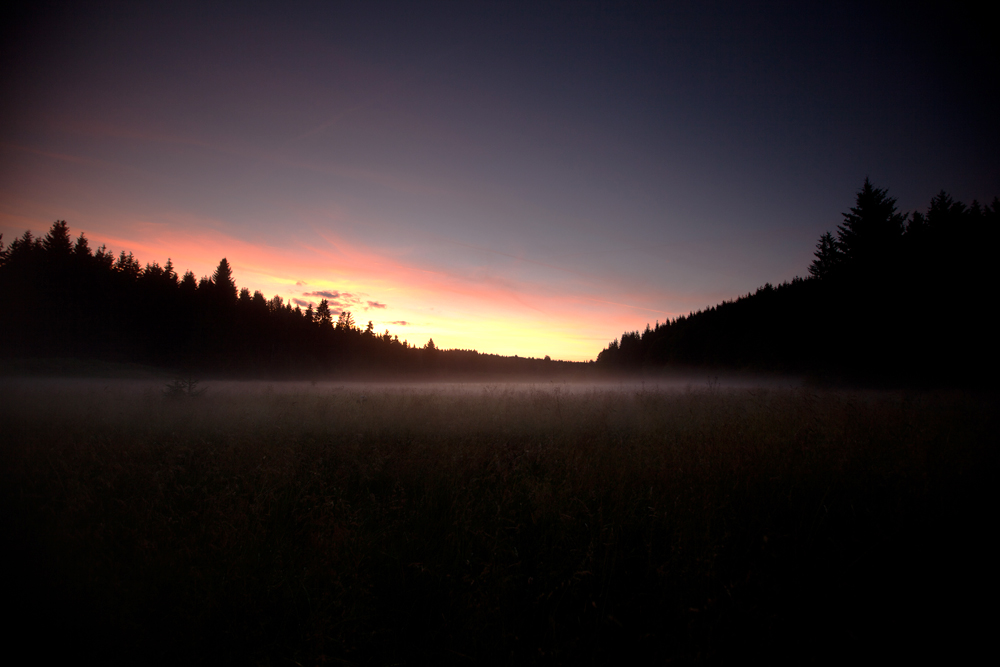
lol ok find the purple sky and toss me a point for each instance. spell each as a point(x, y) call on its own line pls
point(501, 176)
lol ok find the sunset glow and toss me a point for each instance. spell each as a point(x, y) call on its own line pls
point(413, 302)
point(531, 188)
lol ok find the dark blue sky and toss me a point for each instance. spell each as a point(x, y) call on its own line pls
point(518, 178)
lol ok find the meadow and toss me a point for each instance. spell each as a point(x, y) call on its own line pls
point(312, 523)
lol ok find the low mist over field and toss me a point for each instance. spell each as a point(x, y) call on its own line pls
point(76, 388)
point(275, 523)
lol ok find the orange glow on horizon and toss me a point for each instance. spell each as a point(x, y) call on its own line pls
point(490, 314)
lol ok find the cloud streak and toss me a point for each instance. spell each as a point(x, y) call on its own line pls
point(345, 300)
point(328, 294)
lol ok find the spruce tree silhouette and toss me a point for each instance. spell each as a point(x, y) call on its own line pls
point(57, 243)
point(128, 267)
point(82, 247)
point(225, 286)
point(431, 354)
point(323, 315)
point(189, 284)
point(871, 233)
point(828, 257)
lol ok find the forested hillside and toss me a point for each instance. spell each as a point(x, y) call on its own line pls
point(889, 295)
point(60, 298)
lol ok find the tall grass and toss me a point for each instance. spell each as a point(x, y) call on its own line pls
point(494, 524)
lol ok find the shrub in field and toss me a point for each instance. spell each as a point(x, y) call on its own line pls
point(183, 388)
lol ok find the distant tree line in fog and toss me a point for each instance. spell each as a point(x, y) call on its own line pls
point(60, 298)
point(889, 296)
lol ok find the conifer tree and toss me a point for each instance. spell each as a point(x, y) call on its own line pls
point(82, 247)
point(323, 316)
point(828, 257)
point(57, 242)
point(225, 286)
point(188, 283)
point(128, 266)
point(169, 273)
point(872, 229)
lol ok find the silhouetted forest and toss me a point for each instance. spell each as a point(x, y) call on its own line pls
point(890, 296)
point(60, 298)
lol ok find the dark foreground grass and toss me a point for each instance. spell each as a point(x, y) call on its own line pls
point(495, 525)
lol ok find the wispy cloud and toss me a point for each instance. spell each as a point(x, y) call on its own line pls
point(328, 294)
point(339, 301)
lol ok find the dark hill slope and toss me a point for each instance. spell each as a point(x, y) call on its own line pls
point(890, 297)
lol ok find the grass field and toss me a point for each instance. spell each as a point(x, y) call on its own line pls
point(503, 524)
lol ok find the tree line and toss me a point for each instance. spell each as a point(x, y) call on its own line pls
point(60, 298)
point(889, 296)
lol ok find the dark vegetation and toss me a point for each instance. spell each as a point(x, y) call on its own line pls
point(61, 299)
point(198, 524)
point(495, 526)
point(890, 297)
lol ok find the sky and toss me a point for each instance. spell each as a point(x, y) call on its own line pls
point(517, 178)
